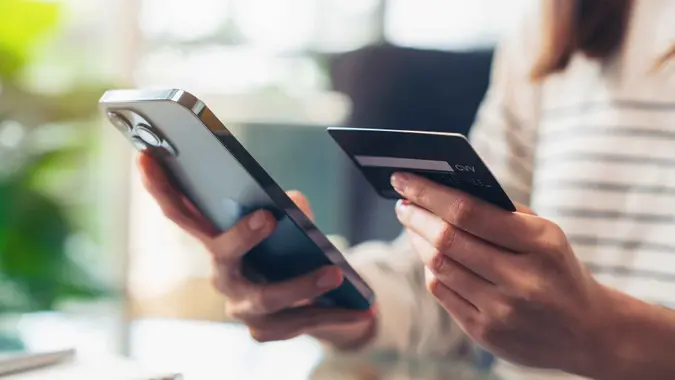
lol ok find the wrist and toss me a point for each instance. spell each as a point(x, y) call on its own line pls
point(352, 337)
point(635, 340)
point(607, 348)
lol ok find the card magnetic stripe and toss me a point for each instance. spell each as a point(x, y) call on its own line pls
point(403, 163)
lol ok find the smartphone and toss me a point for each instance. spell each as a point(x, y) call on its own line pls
point(445, 158)
point(216, 173)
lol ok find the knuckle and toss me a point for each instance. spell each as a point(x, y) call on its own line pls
point(217, 283)
point(222, 261)
point(437, 261)
point(552, 240)
point(235, 312)
point(224, 253)
point(268, 334)
point(212, 246)
point(419, 193)
point(434, 285)
point(260, 336)
point(231, 314)
point(218, 259)
point(481, 333)
point(263, 302)
point(476, 328)
point(220, 256)
point(530, 293)
point(486, 330)
point(505, 314)
point(446, 237)
point(462, 210)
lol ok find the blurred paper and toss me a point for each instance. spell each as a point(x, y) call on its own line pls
point(20, 362)
point(100, 369)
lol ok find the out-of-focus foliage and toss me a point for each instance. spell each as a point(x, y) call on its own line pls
point(44, 142)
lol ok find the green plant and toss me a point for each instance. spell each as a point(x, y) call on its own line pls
point(36, 213)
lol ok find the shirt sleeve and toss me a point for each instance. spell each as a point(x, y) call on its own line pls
point(409, 318)
point(505, 131)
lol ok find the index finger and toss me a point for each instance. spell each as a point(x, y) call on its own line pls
point(172, 203)
point(516, 231)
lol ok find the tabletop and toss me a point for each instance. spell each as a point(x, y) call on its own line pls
point(206, 350)
point(219, 351)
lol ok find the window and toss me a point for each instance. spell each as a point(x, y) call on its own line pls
point(260, 51)
point(450, 24)
point(248, 45)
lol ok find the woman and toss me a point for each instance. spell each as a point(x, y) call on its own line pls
point(579, 123)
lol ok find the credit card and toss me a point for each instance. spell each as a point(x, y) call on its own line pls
point(445, 158)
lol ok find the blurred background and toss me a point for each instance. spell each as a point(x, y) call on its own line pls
point(84, 252)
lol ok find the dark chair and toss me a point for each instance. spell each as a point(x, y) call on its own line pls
point(401, 88)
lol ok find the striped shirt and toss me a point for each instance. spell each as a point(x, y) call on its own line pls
point(591, 148)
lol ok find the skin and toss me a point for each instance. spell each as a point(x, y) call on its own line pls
point(510, 280)
point(271, 312)
point(513, 284)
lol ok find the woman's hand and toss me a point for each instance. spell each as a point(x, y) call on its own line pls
point(272, 312)
point(510, 280)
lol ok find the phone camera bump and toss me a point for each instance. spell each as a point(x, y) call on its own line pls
point(144, 133)
point(119, 121)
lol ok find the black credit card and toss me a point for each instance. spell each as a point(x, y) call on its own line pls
point(445, 158)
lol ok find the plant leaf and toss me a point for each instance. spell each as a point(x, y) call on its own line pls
point(33, 253)
point(23, 23)
point(33, 110)
point(48, 162)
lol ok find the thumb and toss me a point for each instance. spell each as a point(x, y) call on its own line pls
point(301, 201)
point(524, 209)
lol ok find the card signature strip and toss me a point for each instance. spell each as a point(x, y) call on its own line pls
point(403, 163)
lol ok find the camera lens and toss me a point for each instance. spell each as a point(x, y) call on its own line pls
point(144, 132)
point(119, 121)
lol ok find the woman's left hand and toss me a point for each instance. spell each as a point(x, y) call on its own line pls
point(510, 280)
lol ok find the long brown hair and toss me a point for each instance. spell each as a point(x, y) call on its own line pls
point(595, 28)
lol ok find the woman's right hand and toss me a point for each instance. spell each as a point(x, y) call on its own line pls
point(275, 311)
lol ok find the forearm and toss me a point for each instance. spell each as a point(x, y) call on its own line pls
point(408, 318)
point(639, 342)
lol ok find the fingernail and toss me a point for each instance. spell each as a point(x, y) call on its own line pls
point(257, 221)
point(329, 280)
point(399, 181)
point(401, 204)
